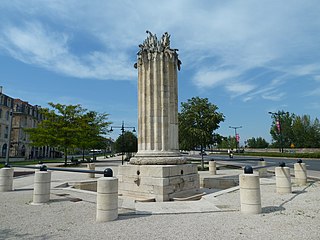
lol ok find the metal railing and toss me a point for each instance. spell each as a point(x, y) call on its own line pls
point(106, 173)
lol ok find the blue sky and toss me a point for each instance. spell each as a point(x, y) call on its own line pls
point(248, 57)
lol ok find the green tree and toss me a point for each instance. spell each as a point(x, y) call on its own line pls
point(227, 142)
point(126, 143)
point(298, 130)
point(92, 126)
point(197, 121)
point(66, 126)
point(257, 143)
point(306, 133)
point(281, 129)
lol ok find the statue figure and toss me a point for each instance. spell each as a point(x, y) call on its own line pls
point(151, 44)
point(165, 41)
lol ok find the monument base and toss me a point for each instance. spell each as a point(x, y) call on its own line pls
point(161, 182)
point(157, 160)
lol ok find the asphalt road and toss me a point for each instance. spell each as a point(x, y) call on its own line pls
point(313, 164)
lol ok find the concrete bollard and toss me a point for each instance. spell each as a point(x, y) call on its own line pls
point(39, 165)
point(6, 179)
point(283, 179)
point(250, 197)
point(42, 182)
point(212, 167)
point(91, 166)
point(263, 172)
point(107, 198)
point(300, 173)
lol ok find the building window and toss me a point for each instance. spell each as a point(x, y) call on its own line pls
point(4, 150)
point(6, 132)
point(0, 113)
point(7, 115)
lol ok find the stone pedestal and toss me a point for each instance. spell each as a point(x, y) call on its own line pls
point(283, 180)
point(161, 182)
point(263, 172)
point(41, 192)
point(212, 167)
point(107, 199)
point(91, 166)
point(300, 174)
point(6, 179)
point(250, 196)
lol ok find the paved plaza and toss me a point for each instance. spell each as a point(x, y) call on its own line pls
point(71, 213)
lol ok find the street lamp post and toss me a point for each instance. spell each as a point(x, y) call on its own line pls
point(9, 136)
point(235, 135)
point(122, 127)
point(277, 117)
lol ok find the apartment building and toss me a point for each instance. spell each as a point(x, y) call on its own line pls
point(6, 105)
point(24, 115)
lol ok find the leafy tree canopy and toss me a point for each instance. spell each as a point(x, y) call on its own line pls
point(126, 143)
point(257, 143)
point(301, 131)
point(68, 127)
point(197, 121)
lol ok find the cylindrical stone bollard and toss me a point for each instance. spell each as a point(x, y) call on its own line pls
point(212, 167)
point(41, 192)
point(6, 179)
point(263, 172)
point(250, 197)
point(39, 165)
point(91, 166)
point(107, 199)
point(300, 173)
point(283, 180)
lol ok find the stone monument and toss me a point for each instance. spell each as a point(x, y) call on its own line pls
point(158, 170)
point(157, 103)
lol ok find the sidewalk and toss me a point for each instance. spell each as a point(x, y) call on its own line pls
point(70, 214)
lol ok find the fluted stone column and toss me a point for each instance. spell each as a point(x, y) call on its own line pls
point(157, 103)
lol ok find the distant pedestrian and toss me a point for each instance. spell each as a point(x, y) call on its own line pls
point(230, 152)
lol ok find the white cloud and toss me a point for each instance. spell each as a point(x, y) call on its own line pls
point(313, 92)
point(219, 41)
point(306, 69)
point(270, 91)
point(34, 44)
point(205, 78)
point(239, 88)
point(273, 95)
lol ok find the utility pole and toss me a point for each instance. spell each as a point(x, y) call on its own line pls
point(277, 117)
point(236, 136)
point(122, 136)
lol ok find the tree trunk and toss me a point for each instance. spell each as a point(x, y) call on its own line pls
point(202, 161)
point(65, 157)
point(83, 155)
